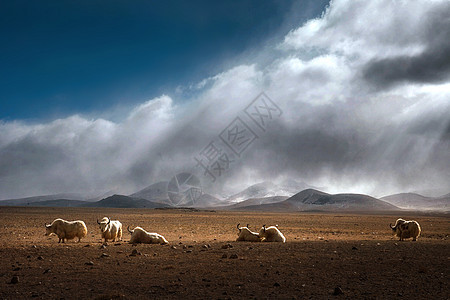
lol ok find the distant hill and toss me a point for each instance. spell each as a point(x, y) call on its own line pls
point(416, 201)
point(59, 203)
point(155, 192)
point(29, 200)
point(121, 201)
point(314, 200)
point(311, 198)
point(269, 189)
point(117, 201)
point(432, 193)
point(256, 201)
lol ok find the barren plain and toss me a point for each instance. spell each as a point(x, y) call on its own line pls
point(326, 256)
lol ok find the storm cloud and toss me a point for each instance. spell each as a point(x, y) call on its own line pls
point(336, 129)
point(430, 65)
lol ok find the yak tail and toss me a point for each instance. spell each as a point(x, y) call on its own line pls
point(128, 228)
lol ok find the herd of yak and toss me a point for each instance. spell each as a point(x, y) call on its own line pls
point(112, 230)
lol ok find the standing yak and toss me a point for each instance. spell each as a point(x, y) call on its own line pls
point(406, 229)
point(66, 229)
point(110, 230)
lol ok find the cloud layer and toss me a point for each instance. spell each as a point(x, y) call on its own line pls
point(365, 95)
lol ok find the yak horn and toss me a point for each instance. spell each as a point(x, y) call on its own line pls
point(109, 221)
point(390, 225)
point(129, 229)
point(247, 225)
point(264, 226)
point(98, 222)
point(238, 225)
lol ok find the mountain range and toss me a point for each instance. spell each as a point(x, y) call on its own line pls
point(288, 195)
point(267, 189)
point(30, 200)
point(157, 192)
point(314, 200)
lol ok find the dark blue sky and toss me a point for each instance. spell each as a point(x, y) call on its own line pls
point(63, 57)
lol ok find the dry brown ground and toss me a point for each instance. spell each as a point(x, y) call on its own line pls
point(323, 251)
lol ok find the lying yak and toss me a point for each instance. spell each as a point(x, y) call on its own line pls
point(271, 234)
point(406, 229)
point(247, 235)
point(110, 230)
point(66, 230)
point(140, 236)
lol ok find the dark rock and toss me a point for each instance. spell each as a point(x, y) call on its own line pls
point(233, 256)
point(224, 256)
point(276, 284)
point(337, 291)
point(354, 248)
point(89, 263)
point(14, 280)
point(104, 255)
point(227, 246)
point(40, 258)
point(135, 252)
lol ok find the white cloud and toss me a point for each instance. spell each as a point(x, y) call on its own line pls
point(337, 129)
point(367, 28)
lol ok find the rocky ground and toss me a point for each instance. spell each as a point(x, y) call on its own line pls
point(326, 256)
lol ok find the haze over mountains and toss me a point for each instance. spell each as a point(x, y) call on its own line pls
point(314, 200)
point(269, 189)
point(288, 196)
point(416, 201)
